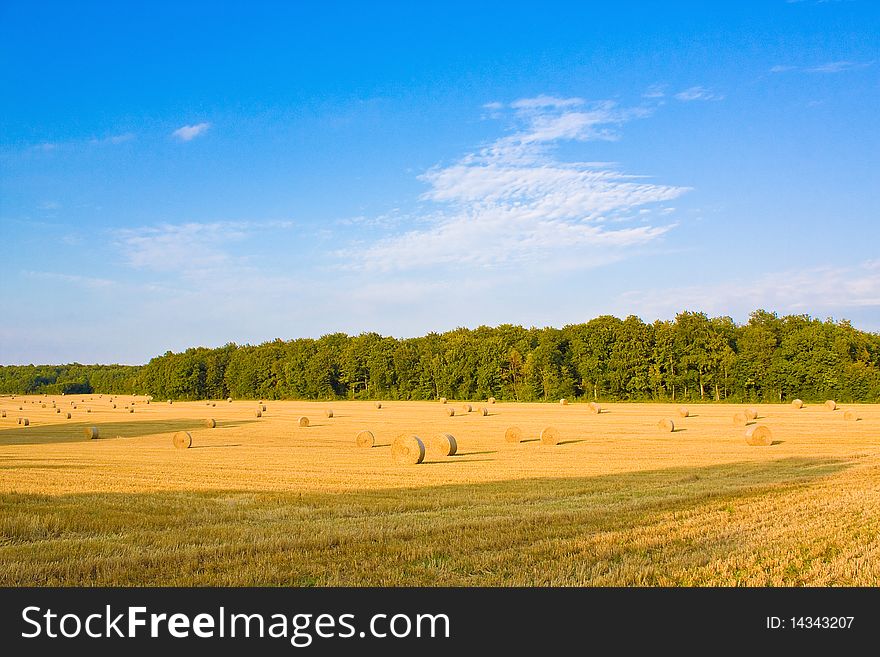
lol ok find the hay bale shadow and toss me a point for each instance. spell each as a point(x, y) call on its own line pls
point(474, 453)
point(571, 442)
point(776, 442)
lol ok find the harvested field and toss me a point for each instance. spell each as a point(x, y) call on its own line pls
point(615, 502)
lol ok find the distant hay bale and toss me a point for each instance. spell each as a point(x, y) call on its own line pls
point(25, 421)
point(740, 418)
point(851, 416)
point(258, 413)
point(72, 405)
point(443, 400)
point(751, 413)
point(148, 401)
point(513, 435)
point(483, 411)
point(263, 406)
point(170, 401)
point(442, 444)
point(378, 404)
point(595, 407)
point(42, 406)
point(491, 400)
point(210, 423)
point(182, 440)
point(57, 410)
point(302, 421)
point(114, 405)
point(408, 450)
point(207, 403)
point(759, 435)
point(365, 439)
point(91, 433)
point(88, 410)
point(2, 413)
point(563, 401)
point(131, 410)
point(229, 399)
point(683, 411)
point(450, 411)
point(666, 425)
point(328, 412)
point(468, 408)
point(68, 416)
point(550, 436)
point(831, 405)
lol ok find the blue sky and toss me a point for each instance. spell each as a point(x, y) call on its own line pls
point(182, 174)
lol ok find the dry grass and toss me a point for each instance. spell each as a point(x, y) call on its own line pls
point(612, 504)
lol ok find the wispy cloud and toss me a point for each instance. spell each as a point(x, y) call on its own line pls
point(828, 67)
point(74, 279)
point(513, 201)
point(698, 93)
point(48, 206)
point(655, 91)
point(812, 290)
point(187, 247)
point(190, 132)
point(113, 139)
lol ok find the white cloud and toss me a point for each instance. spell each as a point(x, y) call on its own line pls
point(188, 248)
point(828, 67)
point(655, 91)
point(74, 279)
point(513, 202)
point(815, 290)
point(698, 93)
point(114, 139)
point(190, 132)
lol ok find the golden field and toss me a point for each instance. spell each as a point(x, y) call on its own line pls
point(261, 501)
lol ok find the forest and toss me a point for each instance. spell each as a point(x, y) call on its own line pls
point(693, 357)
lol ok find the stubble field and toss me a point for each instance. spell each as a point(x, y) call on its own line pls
point(261, 501)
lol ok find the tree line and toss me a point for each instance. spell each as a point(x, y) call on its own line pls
point(694, 357)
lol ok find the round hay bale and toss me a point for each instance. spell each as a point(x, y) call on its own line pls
point(666, 425)
point(851, 416)
point(550, 436)
point(68, 416)
point(263, 407)
point(57, 410)
point(19, 420)
point(365, 439)
point(88, 410)
point(483, 411)
point(378, 404)
point(148, 401)
point(450, 411)
point(182, 440)
point(2, 413)
point(229, 399)
point(131, 410)
point(491, 400)
point(91, 433)
point(25, 421)
point(170, 402)
point(408, 450)
point(683, 411)
point(302, 421)
point(210, 423)
point(442, 444)
point(831, 405)
point(328, 412)
point(797, 403)
point(513, 435)
point(595, 407)
point(42, 406)
point(740, 419)
point(751, 413)
point(468, 408)
point(213, 404)
point(114, 405)
point(443, 400)
point(759, 435)
point(258, 413)
point(72, 405)
point(563, 401)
